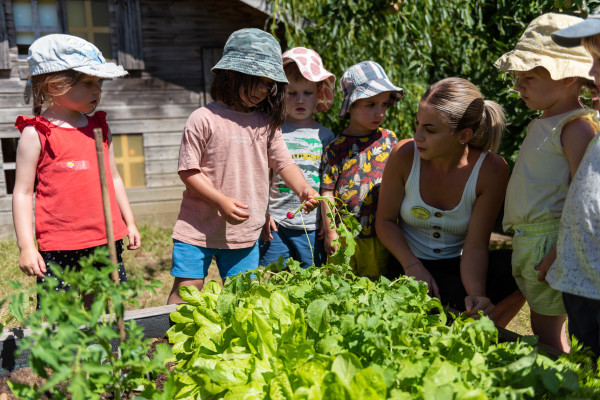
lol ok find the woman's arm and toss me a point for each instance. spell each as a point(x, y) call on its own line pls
point(28, 154)
point(391, 194)
point(491, 188)
point(134, 237)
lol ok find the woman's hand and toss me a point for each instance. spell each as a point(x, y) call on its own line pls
point(419, 272)
point(474, 304)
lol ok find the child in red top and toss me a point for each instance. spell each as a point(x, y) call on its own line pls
point(57, 146)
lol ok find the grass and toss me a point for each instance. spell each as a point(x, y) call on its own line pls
point(152, 262)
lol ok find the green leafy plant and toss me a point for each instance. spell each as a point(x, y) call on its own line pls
point(71, 346)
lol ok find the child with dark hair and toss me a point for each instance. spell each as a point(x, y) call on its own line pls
point(227, 150)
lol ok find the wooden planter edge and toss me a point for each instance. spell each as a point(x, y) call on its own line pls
point(154, 320)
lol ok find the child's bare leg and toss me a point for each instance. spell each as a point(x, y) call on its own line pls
point(506, 310)
point(174, 295)
point(551, 330)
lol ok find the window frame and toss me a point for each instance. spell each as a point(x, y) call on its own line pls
point(125, 32)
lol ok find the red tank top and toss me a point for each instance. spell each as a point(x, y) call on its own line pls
point(68, 200)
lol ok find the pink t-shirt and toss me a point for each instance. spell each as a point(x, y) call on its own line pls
point(234, 150)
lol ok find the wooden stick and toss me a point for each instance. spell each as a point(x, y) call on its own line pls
point(108, 218)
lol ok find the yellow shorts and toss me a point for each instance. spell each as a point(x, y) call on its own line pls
point(531, 243)
point(370, 258)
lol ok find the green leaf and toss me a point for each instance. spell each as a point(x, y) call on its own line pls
point(317, 314)
point(345, 366)
point(191, 295)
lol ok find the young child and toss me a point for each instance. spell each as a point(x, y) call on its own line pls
point(226, 151)
point(576, 271)
point(58, 148)
point(549, 80)
point(310, 90)
point(353, 163)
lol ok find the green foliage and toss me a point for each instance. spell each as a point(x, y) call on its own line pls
point(327, 334)
point(70, 345)
point(418, 43)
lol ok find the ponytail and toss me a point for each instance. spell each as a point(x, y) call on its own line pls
point(463, 106)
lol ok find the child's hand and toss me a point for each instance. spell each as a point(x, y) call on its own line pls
point(134, 238)
point(268, 227)
point(32, 263)
point(307, 196)
point(232, 210)
point(544, 266)
point(474, 304)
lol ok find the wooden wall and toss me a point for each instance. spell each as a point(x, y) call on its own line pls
point(182, 40)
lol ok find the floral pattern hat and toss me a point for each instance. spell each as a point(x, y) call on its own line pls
point(311, 67)
point(536, 48)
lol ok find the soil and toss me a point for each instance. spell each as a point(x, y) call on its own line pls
point(26, 375)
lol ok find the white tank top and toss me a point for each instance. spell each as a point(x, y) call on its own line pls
point(431, 233)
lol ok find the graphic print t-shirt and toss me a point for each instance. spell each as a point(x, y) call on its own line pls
point(353, 168)
point(306, 148)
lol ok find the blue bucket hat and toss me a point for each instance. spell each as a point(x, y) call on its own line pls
point(59, 52)
point(571, 36)
point(363, 80)
point(253, 52)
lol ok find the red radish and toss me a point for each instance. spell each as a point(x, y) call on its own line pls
point(290, 215)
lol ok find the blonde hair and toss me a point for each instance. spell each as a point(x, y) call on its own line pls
point(463, 106)
point(60, 82)
point(592, 45)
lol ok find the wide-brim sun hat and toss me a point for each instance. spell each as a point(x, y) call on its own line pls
point(363, 80)
point(59, 52)
point(571, 36)
point(255, 52)
point(311, 67)
point(536, 48)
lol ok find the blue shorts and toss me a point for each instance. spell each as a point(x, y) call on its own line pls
point(293, 243)
point(192, 262)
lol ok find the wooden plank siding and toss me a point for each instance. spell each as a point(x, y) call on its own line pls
point(169, 78)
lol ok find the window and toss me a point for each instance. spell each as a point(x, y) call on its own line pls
point(129, 156)
point(88, 19)
point(34, 18)
point(114, 26)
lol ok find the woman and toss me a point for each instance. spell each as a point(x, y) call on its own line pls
point(440, 196)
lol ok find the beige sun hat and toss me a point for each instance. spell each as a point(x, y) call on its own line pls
point(536, 48)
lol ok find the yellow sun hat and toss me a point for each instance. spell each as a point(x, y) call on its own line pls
point(536, 48)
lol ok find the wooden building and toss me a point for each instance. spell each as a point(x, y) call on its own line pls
point(168, 47)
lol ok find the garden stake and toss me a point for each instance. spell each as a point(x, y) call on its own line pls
point(108, 219)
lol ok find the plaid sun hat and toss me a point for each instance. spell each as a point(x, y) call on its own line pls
point(253, 52)
point(363, 80)
point(571, 36)
point(311, 67)
point(536, 48)
point(59, 52)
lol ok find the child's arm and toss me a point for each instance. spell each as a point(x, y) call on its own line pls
point(231, 209)
point(491, 188)
point(575, 137)
point(28, 154)
point(391, 193)
point(329, 234)
point(134, 237)
point(294, 178)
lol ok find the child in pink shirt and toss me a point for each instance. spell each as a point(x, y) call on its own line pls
point(226, 151)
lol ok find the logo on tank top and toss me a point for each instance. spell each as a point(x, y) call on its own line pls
point(420, 212)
